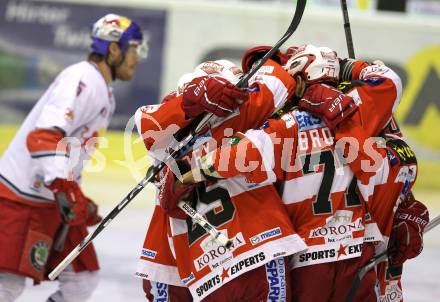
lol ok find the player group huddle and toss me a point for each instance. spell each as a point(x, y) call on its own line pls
point(304, 170)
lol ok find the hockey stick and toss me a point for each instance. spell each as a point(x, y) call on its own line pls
point(300, 6)
point(347, 29)
point(378, 259)
point(198, 218)
point(107, 219)
point(201, 122)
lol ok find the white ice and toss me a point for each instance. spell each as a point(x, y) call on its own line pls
point(118, 247)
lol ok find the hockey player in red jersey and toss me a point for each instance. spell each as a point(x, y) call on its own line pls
point(335, 204)
point(254, 269)
point(320, 198)
point(370, 105)
point(43, 212)
point(369, 99)
point(389, 195)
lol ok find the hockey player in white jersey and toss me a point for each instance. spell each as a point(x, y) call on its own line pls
point(43, 212)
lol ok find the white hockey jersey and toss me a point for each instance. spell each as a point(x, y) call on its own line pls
point(79, 103)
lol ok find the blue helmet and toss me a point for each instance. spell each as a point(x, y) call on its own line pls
point(119, 29)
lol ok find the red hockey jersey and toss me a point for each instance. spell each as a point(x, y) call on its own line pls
point(385, 186)
point(319, 188)
point(251, 214)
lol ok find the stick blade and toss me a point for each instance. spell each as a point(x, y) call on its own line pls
point(65, 263)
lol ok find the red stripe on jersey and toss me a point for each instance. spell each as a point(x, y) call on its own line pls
point(45, 140)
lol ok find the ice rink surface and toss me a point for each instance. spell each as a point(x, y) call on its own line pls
point(119, 245)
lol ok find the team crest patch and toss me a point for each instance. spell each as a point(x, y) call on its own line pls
point(39, 254)
point(235, 140)
point(37, 183)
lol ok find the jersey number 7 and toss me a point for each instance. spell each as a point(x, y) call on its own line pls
point(323, 204)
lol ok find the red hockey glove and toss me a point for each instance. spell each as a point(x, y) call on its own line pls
point(212, 94)
point(93, 217)
point(170, 195)
point(70, 200)
point(327, 103)
point(406, 240)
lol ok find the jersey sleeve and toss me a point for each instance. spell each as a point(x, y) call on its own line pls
point(377, 161)
point(259, 155)
point(274, 86)
point(270, 89)
point(157, 125)
point(70, 103)
point(365, 155)
point(50, 152)
point(157, 262)
point(377, 94)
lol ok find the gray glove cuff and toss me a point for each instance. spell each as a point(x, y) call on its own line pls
point(346, 67)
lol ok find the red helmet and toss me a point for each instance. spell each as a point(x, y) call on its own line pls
point(256, 53)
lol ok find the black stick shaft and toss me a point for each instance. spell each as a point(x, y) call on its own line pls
point(201, 122)
point(378, 259)
point(300, 6)
point(347, 29)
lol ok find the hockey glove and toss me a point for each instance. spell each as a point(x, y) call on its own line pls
point(406, 240)
point(211, 94)
point(172, 192)
point(350, 69)
point(93, 217)
point(71, 201)
point(327, 103)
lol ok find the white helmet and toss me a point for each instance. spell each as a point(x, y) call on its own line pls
point(221, 68)
point(315, 64)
